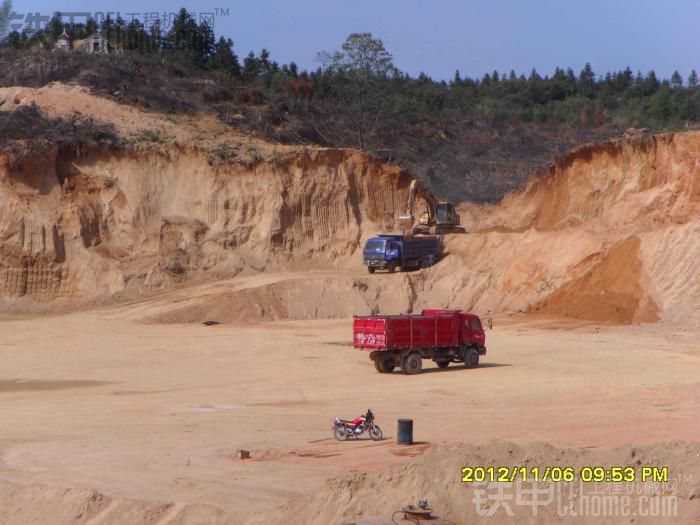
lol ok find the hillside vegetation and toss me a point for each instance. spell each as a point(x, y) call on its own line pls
point(470, 139)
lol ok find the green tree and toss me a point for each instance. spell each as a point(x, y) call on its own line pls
point(182, 34)
point(676, 80)
point(651, 83)
point(586, 81)
point(364, 54)
point(660, 107)
point(693, 79)
point(55, 25)
point(251, 66)
point(361, 76)
point(224, 59)
point(90, 26)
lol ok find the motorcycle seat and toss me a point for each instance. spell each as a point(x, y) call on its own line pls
point(346, 421)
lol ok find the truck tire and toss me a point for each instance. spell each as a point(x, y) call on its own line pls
point(442, 364)
point(384, 366)
point(370, 269)
point(471, 358)
point(412, 363)
point(392, 267)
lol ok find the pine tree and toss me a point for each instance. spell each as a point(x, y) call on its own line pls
point(224, 58)
point(586, 80)
point(676, 80)
point(90, 27)
point(693, 79)
point(651, 83)
point(251, 66)
point(55, 26)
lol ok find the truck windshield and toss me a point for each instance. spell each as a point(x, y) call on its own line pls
point(375, 246)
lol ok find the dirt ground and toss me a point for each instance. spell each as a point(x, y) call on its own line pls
point(101, 400)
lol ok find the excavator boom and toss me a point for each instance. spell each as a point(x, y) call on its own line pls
point(440, 217)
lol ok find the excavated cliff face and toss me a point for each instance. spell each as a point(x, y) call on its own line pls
point(610, 233)
point(100, 223)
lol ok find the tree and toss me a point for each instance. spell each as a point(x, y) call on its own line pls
point(135, 36)
point(155, 38)
point(182, 33)
point(360, 77)
point(651, 83)
point(676, 80)
point(364, 54)
point(251, 66)
point(90, 26)
point(586, 80)
point(55, 25)
point(324, 59)
point(224, 58)
point(203, 43)
point(693, 79)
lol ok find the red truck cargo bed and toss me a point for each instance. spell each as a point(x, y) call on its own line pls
point(393, 332)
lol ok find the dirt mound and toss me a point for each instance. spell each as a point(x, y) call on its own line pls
point(39, 504)
point(436, 475)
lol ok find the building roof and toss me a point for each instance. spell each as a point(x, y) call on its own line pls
point(63, 36)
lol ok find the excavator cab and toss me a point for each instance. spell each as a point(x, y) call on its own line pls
point(446, 214)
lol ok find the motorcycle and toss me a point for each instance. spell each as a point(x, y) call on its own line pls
point(343, 428)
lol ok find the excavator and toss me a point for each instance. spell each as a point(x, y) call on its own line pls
point(439, 216)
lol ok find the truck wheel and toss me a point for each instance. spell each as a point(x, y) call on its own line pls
point(412, 363)
point(424, 263)
point(384, 366)
point(370, 269)
point(471, 358)
point(442, 364)
point(392, 267)
point(388, 365)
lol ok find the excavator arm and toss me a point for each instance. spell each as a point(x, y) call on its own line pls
point(440, 217)
point(418, 190)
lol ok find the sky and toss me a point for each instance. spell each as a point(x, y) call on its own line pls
point(440, 36)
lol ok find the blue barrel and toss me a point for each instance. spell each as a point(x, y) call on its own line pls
point(405, 432)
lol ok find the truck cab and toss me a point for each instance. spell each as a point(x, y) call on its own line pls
point(382, 252)
point(471, 331)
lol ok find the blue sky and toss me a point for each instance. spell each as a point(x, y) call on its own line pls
point(437, 37)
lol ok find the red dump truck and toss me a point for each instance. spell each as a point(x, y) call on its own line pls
point(445, 336)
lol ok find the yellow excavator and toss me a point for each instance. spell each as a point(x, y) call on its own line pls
point(438, 216)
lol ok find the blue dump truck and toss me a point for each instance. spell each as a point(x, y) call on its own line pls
point(389, 252)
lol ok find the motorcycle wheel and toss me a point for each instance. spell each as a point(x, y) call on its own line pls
point(376, 433)
point(339, 433)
